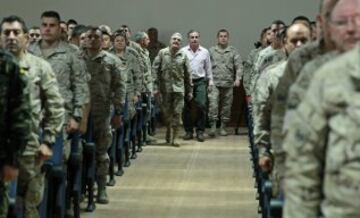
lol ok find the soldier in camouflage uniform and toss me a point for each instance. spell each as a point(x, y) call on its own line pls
point(107, 88)
point(155, 45)
point(69, 70)
point(227, 72)
point(294, 37)
point(15, 112)
point(45, 101)
point(172, 73)
point(324, 181)
point(297, 60)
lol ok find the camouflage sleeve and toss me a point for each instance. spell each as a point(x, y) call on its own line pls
point(238, 67)
point(305, 150)
point(53, 106)
point(18, 117)
point(247, 70)
point(138, 73)
point(279, 104)
point(118, 86)
point(156, 69)
point(188, 77)
point(262, 112)
point(79, 85)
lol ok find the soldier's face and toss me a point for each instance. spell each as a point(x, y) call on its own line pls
point(13, 37)
point(34, 35)
point(83, 40)
point(50, 29)
point(269, 37)
point(120, 43)
point(94, 39)
point(106, 42)
point(146, 41)
point(71, 28)
point(344, 24)
point(297, 36)
point(275, 29)
point(175, 42)
point(223, 38)
point(194, 39)
point(153, 35)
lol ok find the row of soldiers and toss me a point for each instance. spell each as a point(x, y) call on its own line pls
point(303, 95)
point(71, 74)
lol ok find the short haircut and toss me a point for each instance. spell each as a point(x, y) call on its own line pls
point(78, 30)
point(14, 18)
point(139, 36)
point(302, 18)
point(93, 29)
point(71, 21)
point(121, 33)
point(152, 29)
point(52, 14)
point(34, 28)
point(222, 31)
point(278, 22)
point(192, 31)
point(125, 26)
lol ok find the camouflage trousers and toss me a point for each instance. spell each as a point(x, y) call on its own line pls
point(30, 185)
point(172, 106)
point(102, 138)
point(220, 101)
point(4, 199)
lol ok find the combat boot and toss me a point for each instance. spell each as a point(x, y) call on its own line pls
point(212, 132)
point(223, 129)
point(102, 197)
point(173, 139)
point(168, 135)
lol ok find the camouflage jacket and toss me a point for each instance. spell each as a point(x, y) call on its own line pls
point(226, 66)
point(154, 49)
point(172, 73)
point(322, 144)
point(262, 103)
point(107, 84)
point(248, 66)
point(296, 62)
point(272, 57)
point(15, 110)
point(299, 88)
point(130, 64)
point(47, 104)
point(71, 75)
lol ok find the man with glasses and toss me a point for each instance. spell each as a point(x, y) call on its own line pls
point(202, 80)
point(172, 74)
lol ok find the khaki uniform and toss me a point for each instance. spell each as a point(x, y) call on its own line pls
point(172, 73)
point(46, 100)
point(226, 67)
point(296, 62)
point(14, 132)
point(322, 145)
point(107, 88)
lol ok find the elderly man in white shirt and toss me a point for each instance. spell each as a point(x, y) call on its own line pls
point(202, 79)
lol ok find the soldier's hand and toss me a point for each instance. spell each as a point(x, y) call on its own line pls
point(72, 126)
point(237, 83)
point(116, 121)
point(265, 163)
point(135, 99)
point(45, 153)
point(9, 173)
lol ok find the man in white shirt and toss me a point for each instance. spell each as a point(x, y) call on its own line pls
point(202, 79)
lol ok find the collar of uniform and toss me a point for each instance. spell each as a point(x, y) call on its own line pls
point(219, 49)
point(24, 61)
point(168, 52)
point(61, 48)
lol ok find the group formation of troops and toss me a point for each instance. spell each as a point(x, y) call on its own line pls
point(62, 80)
point(301, 83)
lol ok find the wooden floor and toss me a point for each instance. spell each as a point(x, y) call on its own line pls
point(198, 180)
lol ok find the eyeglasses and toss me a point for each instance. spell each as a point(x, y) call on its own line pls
point(344, 22)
